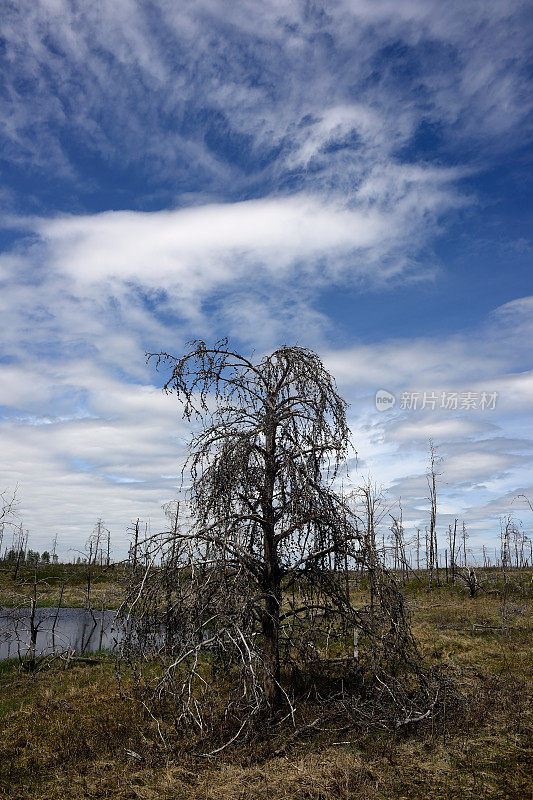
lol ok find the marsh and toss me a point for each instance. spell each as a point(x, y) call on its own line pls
point(69, 628)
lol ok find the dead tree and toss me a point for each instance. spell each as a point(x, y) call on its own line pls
point(134, 545)
point(465, 537)
point(506, 528)
point(397, 533)
point(471, 580)
point(8, 505)
point(452, 535)
point(54, 549)
point(371, 508)
point(432, 474)
point(20, 542)
point(253, 583)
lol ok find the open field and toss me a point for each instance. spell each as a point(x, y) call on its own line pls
point(105, 585)
point(67, 733)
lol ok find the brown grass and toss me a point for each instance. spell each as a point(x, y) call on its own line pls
point(105, 586)
point(65, 734)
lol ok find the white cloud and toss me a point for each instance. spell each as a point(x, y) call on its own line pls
point(450, 428)
point(118, 458)
point(489, 358)
point(486, 454)
point(77, 277)
point(197, 249)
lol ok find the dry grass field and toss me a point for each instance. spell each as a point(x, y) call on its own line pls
point(70, 733)
point(51, 579)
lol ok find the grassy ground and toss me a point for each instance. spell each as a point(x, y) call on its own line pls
point(68, 733)
point(105, 585)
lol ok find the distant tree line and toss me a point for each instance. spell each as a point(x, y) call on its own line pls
point(30, 557)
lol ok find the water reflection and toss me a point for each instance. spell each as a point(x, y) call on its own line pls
point(69, 628)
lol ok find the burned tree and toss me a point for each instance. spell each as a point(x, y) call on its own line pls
point(252, 587)
point(432, 561)
point(8, 503)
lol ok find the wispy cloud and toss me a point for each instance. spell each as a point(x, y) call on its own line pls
point(200, 96)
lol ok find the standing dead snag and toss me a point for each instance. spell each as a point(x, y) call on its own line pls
point(8, 504)
point(263, 468)
point(251, 595)
point(432, 473)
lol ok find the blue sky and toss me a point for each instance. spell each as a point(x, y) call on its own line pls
point(351, 176)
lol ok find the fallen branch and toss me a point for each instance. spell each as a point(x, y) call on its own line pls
point(295, 734)
point(414, 719)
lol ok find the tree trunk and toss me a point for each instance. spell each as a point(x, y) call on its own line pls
point(272, 577)
point(271, 673)
point(270, 623)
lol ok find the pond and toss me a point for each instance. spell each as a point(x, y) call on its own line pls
point(69, 629)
